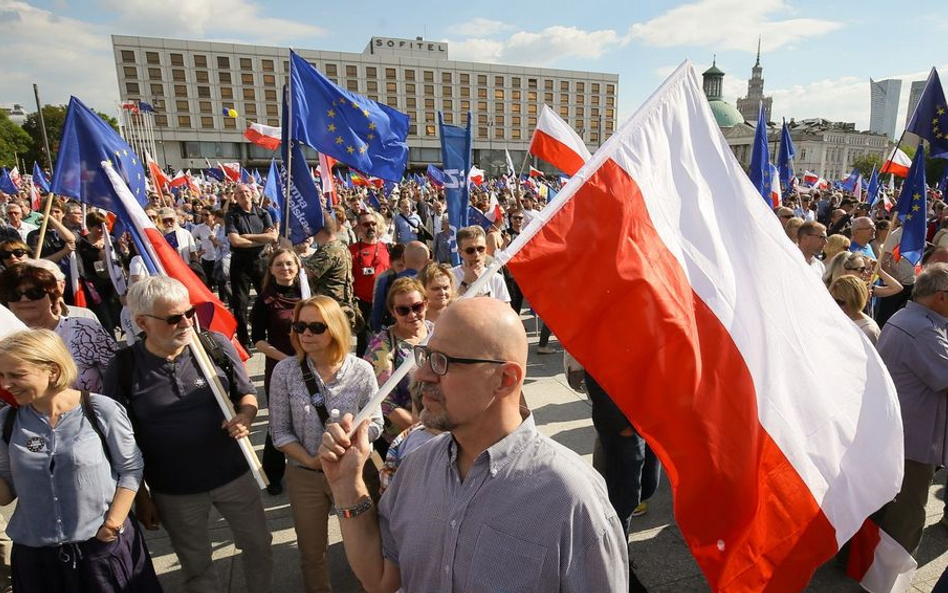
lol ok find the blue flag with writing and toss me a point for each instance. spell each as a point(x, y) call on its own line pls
point(39, 180)
point(352, 129)
point(760, 159)
point(302, 204)
point(785, 157)
point(456, 158)
point(913, 210)
point(930, 120)
point(86, 142)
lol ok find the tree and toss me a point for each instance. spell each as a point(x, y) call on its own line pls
point(54, 116)
point(866, 162)
point(14, 141)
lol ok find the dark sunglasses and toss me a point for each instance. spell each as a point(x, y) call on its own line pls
point(404, 310)
point(516, 218)
point(861, 270)
point(473, 250)
point(315, 327)
point(167, 220)
point(368, 224)
point(34, 293)
point(14, 252)
point(174, 319)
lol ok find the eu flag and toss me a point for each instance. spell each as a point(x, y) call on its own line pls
point(272, 189)
point(39, 180)
point(760, 159)
point(930, 120)
point(913, 210)
point(436, 176)
point(785, 157)
point(359, 132)
point(873, 192)
point(86, 142)
point(6, 183)
point(303, 204)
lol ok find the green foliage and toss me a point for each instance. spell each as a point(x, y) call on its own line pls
point(13, 142)
point(54, 116)
point(866, 162)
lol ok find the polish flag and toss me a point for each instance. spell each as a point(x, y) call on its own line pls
point(494, 213)
point(557, 143)
point(179, 180)
point(536, 172)
point(663, 232)
point(162, 258)
point(266, 136)
point(158, 177)
point(776, 198)
point(476, 176)
point(810, 178)
point(36, 201)
point(15, 177)
point(231, 171)
point(326, 163)
point(878, 562)
point(897, 163)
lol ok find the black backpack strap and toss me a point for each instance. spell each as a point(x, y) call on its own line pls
point(8, 423)
point(220, 359)
point(313, 388)
point(88, 410)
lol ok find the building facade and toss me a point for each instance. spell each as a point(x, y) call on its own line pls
point(915, 95)
point(750, 105)
point(191, 83)
point(884, 105)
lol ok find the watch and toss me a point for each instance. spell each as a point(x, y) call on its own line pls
point(364, 504)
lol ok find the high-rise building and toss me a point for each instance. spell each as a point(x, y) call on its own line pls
point(915, 94)
point(191, 83)
point(884, 106)
point(750, 105)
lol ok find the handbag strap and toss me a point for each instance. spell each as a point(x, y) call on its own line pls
point(313, 388)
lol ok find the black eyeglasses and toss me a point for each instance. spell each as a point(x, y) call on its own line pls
point(315, 327)
point(439, 361)
point(404, 310)
point(368, 224)
point(175, 319)
point(34, 293)
point(861, 269)
point(473, 250)
point(12, 253)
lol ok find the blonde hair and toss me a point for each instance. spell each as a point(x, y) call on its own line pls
point(334, 318)
point(42, 348)
point(834, 245)
point(404, 285)
point(435, 270)
point(852, 291)
point(793, 225)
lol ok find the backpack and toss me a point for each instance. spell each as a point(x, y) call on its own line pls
point(125, 359)
point(88, 410)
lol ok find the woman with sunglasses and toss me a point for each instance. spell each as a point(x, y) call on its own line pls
point(270, 320)
point(13, 251)
point(390, 347)
point(305, 388)
point(33, 294)
point(851, 294)
point(848, 263)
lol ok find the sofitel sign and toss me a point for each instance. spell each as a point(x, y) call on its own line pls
point(387, 43)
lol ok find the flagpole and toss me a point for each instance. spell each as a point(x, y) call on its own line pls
point(49, 159)
point(289, 150)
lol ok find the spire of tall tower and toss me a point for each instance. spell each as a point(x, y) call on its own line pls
point(758, 51)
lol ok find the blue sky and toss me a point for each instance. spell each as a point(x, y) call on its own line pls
point(817, 55)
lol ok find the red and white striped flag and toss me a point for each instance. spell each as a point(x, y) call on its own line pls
point(775, 458)
point(265, 136)
point(557, 143)
point(326, 163)
point(878, 562)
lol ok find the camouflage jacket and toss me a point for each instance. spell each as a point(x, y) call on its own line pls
point(330, 271)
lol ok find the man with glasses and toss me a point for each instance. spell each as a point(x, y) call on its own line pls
point(15, 220)
point(370, 258)
point(192, 460)
point(863, 232)
point(180, 240)
point(914, 347)
point(811, 239)
point(472, 247)
point(472, 508)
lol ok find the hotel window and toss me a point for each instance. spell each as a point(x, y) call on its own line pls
point(180, 90)
point(499, 120)
point(610, 89)
point(246, 78)
point(465, 91)
point(409, 75)
point(161, 121)
point(230, 123)
point(227, 92)
point(352, 85)
point(250, 109)
point(273, 122)
point(580, 87)
point(412, 130)
point(331, 70)
point(152, 57)
point(498, 81)
point(515, 134)
point(515, 107)
point(351, 70)
point(611, 113)
point(449, 118)
point(482, 119)
point(447, 91)
point(131, 88)
point(200, 61)
point(205, 107)
point(429, 90)
point(595, 99)
point(410, 88)
point(391, 101)
point(498, 107)
point(130, 71)
point(266, 65)
point(498, 94)
point(482, 106)
point(594, 112)
point(564, 111)
point(498, 133)
point(429, 130)
point(128, 56)
point(515, 82)
point(223, 77)
point(249, 94)
point(269, 80)
point(371, 72)
point(177, 75)
point(372, 86)
point(564, 98)
point(201, 75)
point(389, 74)
point(595, 87)
point(158, 90)
point(177, 60)
point(204, 92)
point(429, 103)
point(269, 95)
point(548, 98)
point(580, 112)
point(481, 93)
point(272, 110)
point(223, 62)
point(447, 104)
point(446, 77)
point(207, 122)
point(548, 85)
point(154, 74)
point(532, 109)
point(610, 101)
point(564, 85)
point(531, 83)
point(515, 95)
point(246, 64)
point(465, 78)
point(515, 120)
point(411, 102)
point(531, 121)
point(482, 132)
point(465, 105)
point(184, 121)
point(391, 87)
point(429, 117)
point(482, 79)
point(428, 76)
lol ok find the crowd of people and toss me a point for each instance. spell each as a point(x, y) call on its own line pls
point(333, 317)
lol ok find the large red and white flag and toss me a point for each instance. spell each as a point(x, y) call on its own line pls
point(265, 136)
point(878, 562)
point(774, 457)
point(158, 177)
point(557, 143)
point(897, 163)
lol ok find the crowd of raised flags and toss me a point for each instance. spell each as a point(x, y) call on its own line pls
point(657, 217)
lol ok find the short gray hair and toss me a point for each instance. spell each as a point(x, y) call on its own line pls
point(933, 279)
point(143, 295)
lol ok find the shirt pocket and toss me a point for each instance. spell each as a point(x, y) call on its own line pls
point(86, 452)
point(504, 563)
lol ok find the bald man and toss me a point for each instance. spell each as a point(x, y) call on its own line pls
point(492, 505)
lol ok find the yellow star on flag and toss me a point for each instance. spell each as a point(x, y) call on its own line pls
point(916, 208)
point(332, 127)
point(371, 136)
point(109, 161)
point(916, 196)
point(331, 113)
point(338, 139)
point(935, 121)
point(365, 112)
point(940, 111)
point(125, 152)
point(372, 125)
point(908, 217)
point(350, 150)
point(362, 150)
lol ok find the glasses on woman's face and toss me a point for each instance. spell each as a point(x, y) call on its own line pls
point(18, 253)
point(369, 224)
point(858, 270)
point(33, 293)
point(316, 328)
point(516, 218)
point(404, 310)
point(439, 361)
point(175, 319)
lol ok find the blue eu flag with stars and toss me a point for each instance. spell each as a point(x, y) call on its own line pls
point(760, 159)
point(357, 131)
point(930, 120)
point(86, 142)
point(913, 210)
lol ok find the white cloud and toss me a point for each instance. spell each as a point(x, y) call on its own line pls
point(729, 25)
point(480, 27)
point(209, 20)
point(541, 48)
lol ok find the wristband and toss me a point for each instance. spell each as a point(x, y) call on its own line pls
point(354, 511)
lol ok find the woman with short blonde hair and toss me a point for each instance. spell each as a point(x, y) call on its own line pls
point(323, 376)
point(851, 294)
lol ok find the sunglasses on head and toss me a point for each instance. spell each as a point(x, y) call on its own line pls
point(315, 327)
point(404, 310)
point(473, 250)
point(174, 319)
point(13, 252)
point(34, 293)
